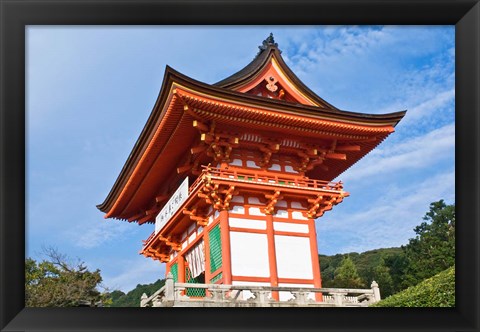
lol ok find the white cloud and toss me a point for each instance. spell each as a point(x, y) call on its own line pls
point(132, 272)
point(89, 235)
point(418, 152)
point(388, 220)
point(427, 107)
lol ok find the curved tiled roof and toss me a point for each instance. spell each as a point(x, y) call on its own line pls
point(268, 50)
point(167, 117)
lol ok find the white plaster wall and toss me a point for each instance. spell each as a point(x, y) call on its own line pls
point(236, 162)
point(238, 199)
point(290, 227)
point(251, 163)
point(254, 211)
point(275, 167)
point(289, 169)
point(249, 253)
point(238, 209)
point(253, 200)
point(294, 259)
point(296, 205)
point(298, 215)
point(247, 223)
point(282, 203)
point(281, 214)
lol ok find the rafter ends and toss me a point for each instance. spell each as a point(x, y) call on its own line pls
point(145, 219)
point(199, 125)
point(137, 216)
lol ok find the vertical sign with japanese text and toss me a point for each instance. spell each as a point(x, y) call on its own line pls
point(172, 205)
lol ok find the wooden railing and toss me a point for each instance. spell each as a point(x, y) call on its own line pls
point(173, 294)
point(247, 176)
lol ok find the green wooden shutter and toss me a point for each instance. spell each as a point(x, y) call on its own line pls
point(215, 248)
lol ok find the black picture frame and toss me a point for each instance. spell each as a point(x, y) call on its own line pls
point(16, 14)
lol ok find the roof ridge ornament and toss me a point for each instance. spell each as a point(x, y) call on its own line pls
point(269, 41)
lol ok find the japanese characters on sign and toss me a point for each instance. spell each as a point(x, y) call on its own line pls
point(172, 206)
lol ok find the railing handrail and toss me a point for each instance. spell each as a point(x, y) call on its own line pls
point(175, 292)
point(157, 293)
point(290, 180)
point(274, 289)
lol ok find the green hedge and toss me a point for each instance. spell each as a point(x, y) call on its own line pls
point(437, 291)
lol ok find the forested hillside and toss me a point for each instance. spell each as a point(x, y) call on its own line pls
point(132, 298)
point(394, 269)
point(358, 270)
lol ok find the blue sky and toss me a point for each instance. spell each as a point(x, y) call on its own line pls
point(90, 91)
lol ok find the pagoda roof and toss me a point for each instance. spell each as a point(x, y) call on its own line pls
point(168, 133)
point(269, 52)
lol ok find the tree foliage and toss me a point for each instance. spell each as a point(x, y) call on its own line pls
point(346, 275)
point(437, 291)
point(132, 298)
point(395, 269)
point(433, 249)
point(58, 283)
point(370, 265)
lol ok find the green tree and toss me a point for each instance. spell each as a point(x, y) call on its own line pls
point(433, 249)
point(346, 275)
point(58, 283)
point(397, 265)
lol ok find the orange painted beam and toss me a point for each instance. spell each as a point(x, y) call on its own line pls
point(181, 268)
point(348, 148)
point(317, 279)
point(338, 156)
point(226, 252)
point(272, 256)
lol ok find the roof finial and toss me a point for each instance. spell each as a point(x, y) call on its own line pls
point(269, 41)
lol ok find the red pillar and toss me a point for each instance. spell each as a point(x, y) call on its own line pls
point(181, 268)
point(317, 279)
point(226, 254)
point(272, 256)
point(206, 246)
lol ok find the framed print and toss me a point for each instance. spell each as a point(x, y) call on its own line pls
point(49, 52)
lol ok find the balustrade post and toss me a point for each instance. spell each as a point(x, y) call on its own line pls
point(263, 297)
point(301, 297)
point(143, 300)
point(338, 298)
point(169, 287)
point(376, 291)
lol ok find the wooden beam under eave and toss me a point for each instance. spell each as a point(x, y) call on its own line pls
point(348, 148)
point(161, 198)
point(198, 149)
point(200, 126)
point(146, 219)
point(338, 156)
point(183, 169)
point(137, 216)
